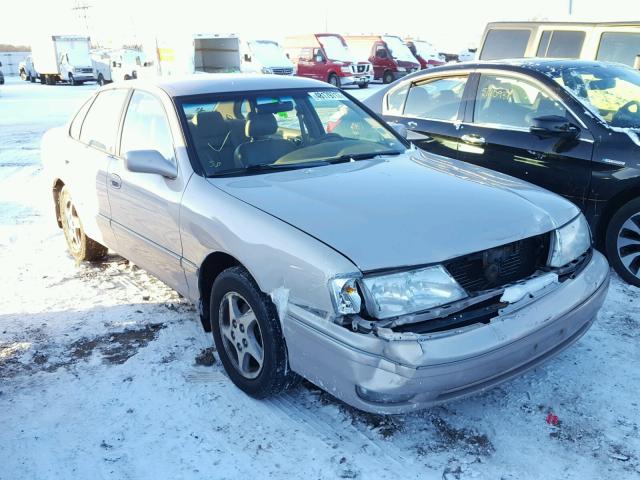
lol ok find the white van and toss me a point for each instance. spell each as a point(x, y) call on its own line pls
point(62, 58)
point(609, 42)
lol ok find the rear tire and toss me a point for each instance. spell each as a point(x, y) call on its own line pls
point(334, 80)
point(81, 247)
point(622, 242)
point(387, 77)
point(101, 81)
point(32, 79)
point(72, 81)
point(23, 76)
point(245, 325)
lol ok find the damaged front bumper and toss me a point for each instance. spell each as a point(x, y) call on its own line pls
point(390, 373)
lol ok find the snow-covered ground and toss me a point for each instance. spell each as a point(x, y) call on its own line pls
point(106, 373)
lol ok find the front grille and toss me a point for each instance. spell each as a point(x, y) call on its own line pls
point(85, 70)
point(500, 265)
point(282, 71)
point(362, 68)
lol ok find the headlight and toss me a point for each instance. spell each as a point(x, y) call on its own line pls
point(569, 242)
point(413, 291)
point(266, 70)
point(345, 69)
point(345, 295)
point(401, 69)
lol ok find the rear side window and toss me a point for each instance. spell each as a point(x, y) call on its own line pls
point(561, 44)
point(100, 126)
point(436, 99)
point(504, 43)
point(146, 126)
point(512, 102)
point(76, 124)
point(619, 47)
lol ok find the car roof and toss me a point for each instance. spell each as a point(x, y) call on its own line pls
point(205, 83)
point(526, 63)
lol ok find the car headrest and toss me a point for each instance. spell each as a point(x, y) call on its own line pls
point(260, 125)
point(210, 124)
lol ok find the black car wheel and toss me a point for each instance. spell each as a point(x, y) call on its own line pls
point(623, 242)
point(81, 247)
point(248, 335)
point(387, 77)
point(334, 80)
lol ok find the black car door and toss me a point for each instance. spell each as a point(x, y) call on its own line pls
point(496, 133)
point(431, 109)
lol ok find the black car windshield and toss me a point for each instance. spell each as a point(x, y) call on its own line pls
point(610, 91)
point(242, 133)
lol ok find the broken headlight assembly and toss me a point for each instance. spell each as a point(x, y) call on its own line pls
point(394, 294)
point(569, 242)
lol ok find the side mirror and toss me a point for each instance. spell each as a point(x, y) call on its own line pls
point(320, 59)
point(399, 128)
point(149, 161)
point(554, 126)
point(113, 64)
point(0, 64)
point(247, 57)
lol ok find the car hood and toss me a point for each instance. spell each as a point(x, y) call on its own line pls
point(406, 210)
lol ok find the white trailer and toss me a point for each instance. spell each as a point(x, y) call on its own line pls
point(63, 58)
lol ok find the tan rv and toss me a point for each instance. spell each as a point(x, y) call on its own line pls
point(610, 42)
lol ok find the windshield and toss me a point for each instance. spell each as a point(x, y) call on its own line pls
point(425, 49)
point(254, 133)
point(269, 53)
point(335, 49)
point(399, 50)
point(612, 92)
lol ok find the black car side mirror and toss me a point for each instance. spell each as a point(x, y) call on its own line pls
point(554, 126)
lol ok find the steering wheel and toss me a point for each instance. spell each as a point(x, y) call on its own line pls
point(624, 117)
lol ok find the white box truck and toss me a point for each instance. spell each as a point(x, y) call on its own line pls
point(211, 53)
point(62, 58)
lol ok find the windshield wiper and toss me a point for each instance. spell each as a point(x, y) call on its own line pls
point(268, 167)
point(359, 156)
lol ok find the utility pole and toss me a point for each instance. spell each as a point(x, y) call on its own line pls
point(82, 11)
point(570, 7)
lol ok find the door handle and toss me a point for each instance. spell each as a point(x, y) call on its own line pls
point(412, 124)
point(115, 180)
point(473, 140)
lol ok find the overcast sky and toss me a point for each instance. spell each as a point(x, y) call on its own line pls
point(450, 24)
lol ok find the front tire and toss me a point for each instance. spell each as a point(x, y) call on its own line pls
point(387, 77)
point(72, 81)
point(334, 80)
point(363, 85)
point(622, 242)
point(248, 335)
point(101, 81)
point(81, 247)
point(23, 76)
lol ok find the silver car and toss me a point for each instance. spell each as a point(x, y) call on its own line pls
point(317, 242)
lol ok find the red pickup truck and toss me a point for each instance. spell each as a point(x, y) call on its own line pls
point(325, 56)
point(390, 57)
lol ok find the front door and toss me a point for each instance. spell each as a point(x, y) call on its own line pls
point(497, 136)
point(431, 110)
point(145, 207)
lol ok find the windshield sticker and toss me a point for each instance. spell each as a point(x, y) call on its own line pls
point(327, 96)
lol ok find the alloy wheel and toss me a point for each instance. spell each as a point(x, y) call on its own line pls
point(628, 244)
point(241, 335)
point(74, 229)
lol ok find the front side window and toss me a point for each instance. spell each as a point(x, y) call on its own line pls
point(503, 43)
point(100, 125)
point(610, 92)
point(252, 133)
point(395, 100)
point(619, 47)
point(146, 126)
point(561, 44)
point(512, 102)
point(437, 99)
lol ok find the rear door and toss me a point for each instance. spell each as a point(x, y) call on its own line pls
point(94, 131)
point(145, 207)
point(432, 110)
point(496, 135)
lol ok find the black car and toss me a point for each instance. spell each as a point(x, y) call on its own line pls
point(570, 126)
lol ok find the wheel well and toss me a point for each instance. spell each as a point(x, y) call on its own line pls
point(57, 188)
point(613, 205)
point(213, 265)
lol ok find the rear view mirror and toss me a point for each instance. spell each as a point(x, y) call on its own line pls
point(149, 161)
point(554, 126)
point(399, 128)
point(602, 83)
